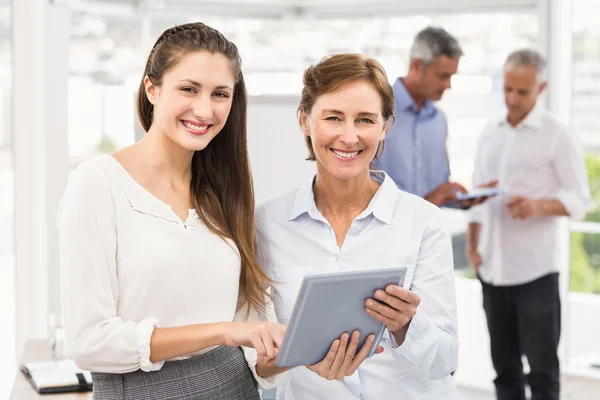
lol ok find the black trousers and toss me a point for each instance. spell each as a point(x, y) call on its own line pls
point(524, 320)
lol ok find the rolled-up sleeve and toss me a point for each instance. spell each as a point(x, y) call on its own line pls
point(98, 340)
point(570, 169)
point(476, 214)
point(430, 349)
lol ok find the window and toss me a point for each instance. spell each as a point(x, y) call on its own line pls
point(585, 238)
point(582, 331)
point(108, 55)
point(7, 197)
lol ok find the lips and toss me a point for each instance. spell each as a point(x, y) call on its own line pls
point(195, 127)
point(347, 155)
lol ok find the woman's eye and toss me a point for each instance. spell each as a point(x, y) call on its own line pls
point(332, 118)
point(189, 90)
point(366, 120)
point(222, 95)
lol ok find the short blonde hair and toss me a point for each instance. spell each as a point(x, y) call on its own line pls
point(337, 70)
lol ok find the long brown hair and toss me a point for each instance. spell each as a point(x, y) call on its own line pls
point(334, 71)
point(221, 186)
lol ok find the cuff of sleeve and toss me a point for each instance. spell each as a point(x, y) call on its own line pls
point(143, 333)
point(572, 204)
point(418, 339)
point(263, 383)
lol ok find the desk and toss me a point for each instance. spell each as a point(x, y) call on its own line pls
point(39, 350)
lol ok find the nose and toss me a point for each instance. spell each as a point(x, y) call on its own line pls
point(511, 99)
point(202, 108)
point(448, 83)
point(349, 137)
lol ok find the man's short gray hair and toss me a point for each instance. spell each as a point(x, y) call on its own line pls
point(434, 42)
point(525, 58)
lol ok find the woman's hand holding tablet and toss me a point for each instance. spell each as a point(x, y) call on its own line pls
point(330, 305)
point(341, 359)
point(395, 307)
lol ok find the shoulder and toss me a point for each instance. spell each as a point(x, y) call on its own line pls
point(550, 123)
point(490, 129)
point(416, 209)
point(92, 179)
point(276, 209)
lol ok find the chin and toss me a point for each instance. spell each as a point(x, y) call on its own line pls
point(346, 174)
point(195, 144)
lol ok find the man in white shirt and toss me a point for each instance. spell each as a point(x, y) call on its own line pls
point(540, 165)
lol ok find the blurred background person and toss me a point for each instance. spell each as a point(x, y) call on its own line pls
point(512, 240)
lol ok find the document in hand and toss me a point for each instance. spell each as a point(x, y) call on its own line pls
point(479, 192)
point(57, 377)
point(330, 304)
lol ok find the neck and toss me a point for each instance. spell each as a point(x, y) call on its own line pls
point(515, 120)
point(412, 87)
point(165, 156)
point(343, 197)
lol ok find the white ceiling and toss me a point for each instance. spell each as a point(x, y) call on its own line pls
point(309, 8)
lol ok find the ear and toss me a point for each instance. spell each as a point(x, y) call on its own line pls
point(386, 125)
point(416, 65)
point(150, 90)
point(543, 87)
point(304, 123)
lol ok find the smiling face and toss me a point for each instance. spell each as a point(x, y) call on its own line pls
point(346, 127)
point(193, 102)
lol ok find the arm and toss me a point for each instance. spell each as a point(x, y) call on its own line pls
point(473, 235)
point(265, 373)
point(569, 166)
point(98, 339)
point(429, 350)
point(573, 196)
point(551, 207)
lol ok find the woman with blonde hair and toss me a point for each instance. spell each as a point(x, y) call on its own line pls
point(351, 217)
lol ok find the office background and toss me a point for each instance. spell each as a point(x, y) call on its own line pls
point(69, 70)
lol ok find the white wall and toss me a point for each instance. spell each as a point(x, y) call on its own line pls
point(276, 146)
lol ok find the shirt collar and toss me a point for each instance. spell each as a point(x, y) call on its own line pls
point(532, 120)
point(405, 102)
point(382, 205)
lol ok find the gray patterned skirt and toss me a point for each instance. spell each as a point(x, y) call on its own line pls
point(221, 373)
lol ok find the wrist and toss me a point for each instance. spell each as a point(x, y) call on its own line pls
point(538, 207)
point(400, 334)
point(221, 333)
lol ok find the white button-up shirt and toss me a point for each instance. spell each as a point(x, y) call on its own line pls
point(540, 159)
point(396, 229)
point(129, 263)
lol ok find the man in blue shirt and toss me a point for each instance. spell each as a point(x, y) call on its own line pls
point(415, 153)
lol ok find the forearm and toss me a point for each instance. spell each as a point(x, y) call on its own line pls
point(473, 234)
point(167, 343)
point(550, 207)
point(267, 371)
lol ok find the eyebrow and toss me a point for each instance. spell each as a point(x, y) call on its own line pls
point(362, 113)
point(221, 87)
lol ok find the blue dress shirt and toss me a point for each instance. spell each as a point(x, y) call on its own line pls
point(415, 155)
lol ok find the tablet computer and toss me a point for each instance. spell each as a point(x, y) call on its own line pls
point(330, 304)
point(479, 192)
